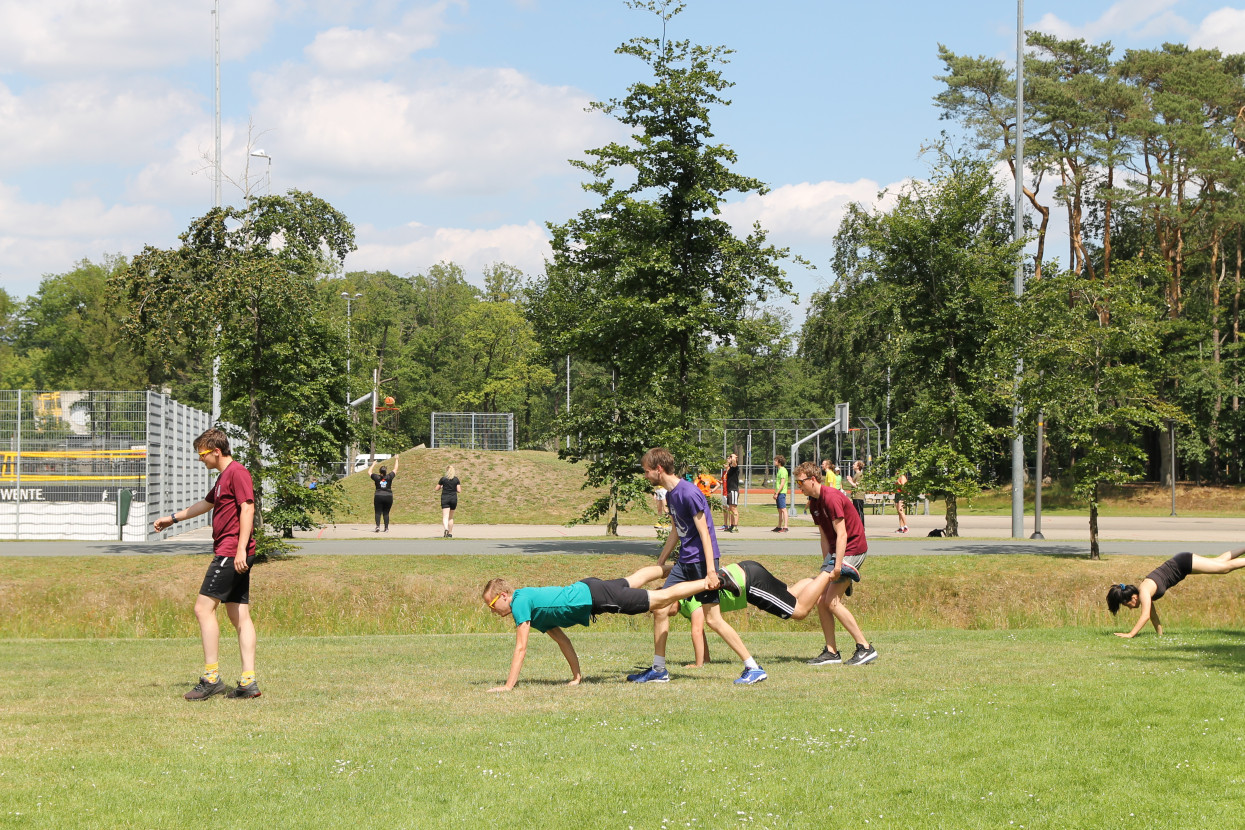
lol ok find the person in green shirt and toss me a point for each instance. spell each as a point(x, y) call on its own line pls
point(780, 493)
point(550, 609)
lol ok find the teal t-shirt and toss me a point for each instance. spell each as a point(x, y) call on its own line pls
point(555, 607)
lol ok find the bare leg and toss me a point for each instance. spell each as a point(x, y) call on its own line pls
point(1217, 565)
point(1228, 556)
point(445, 519)
point(809, 595)
point(661, 627)
point(834, 595)
point(713, 617)
point(826, 617)
point(451, 520)
point(700, 642)
point(903, 517)
point(240, 616)
point(645, 575)
point(209, 628)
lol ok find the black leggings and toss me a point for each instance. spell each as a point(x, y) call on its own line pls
point(382, 503)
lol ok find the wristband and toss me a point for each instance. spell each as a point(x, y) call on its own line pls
point(173, 516)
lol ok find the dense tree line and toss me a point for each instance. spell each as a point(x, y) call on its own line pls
point(1144, 153)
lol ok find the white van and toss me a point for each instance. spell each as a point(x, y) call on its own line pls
point(362, 462)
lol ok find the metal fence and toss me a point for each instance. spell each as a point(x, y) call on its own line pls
point(66, 457)
point(473, 430)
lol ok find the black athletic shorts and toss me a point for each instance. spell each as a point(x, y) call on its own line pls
point(616, 596)
point(225, 584)
point(766, 591)
point(452, 504)
point(732, 498)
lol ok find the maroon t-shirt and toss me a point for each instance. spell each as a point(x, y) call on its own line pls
point(232, 488)
point(833, 504)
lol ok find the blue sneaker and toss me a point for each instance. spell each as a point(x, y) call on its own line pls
point(650, 675)
point(751, 676)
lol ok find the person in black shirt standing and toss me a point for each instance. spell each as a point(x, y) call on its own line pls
point(450, 487)
point(730, 474)
point(382, 499)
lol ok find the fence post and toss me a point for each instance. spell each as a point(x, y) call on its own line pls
point(17, 494)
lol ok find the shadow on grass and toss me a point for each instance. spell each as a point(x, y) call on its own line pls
point(1069, 551)
point(1225, 656)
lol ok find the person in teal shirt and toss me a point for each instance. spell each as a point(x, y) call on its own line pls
point(550, 609)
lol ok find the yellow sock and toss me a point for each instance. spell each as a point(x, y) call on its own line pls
point(211, 671)
point(248, 677)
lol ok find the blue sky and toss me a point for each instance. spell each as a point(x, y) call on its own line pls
point(442, 129)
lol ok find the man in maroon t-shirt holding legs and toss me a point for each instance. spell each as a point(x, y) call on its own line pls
point(844, 547)
point(232, 502)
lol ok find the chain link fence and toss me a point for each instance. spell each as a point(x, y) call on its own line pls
point(473, 430)
point(71, 460)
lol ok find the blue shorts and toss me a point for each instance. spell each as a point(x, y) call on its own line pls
point(688, 571)
point(782, 501)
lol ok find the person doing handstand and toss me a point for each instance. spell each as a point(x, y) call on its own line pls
point(1161, 579)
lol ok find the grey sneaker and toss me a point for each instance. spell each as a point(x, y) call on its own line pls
point(205, 689)
point(864, 654)
point(728, 582)
point(249, 690)
point(826, 658)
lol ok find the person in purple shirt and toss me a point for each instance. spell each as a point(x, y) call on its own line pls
point(698, 559)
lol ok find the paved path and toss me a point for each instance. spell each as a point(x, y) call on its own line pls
point(1065, 536)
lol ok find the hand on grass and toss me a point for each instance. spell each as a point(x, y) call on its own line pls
point(1125, 635)
point(500, 689)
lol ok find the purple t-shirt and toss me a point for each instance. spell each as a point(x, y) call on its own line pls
point(685, 501)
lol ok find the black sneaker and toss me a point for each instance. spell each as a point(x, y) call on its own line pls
point(826, 658)
point(864, 654)
point(205, 689)
point(728, 582)
point(249, 690)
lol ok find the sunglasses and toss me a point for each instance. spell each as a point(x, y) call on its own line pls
point(490, 605)
point(205, 452)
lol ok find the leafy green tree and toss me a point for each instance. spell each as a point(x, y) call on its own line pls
point(15, 371)
point(242, 285)
point(1093, 380)
point(940, 264)
point(646, 281)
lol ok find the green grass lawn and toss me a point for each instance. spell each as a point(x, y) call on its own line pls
point(948, 728)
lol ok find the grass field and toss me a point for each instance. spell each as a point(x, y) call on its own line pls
point(1000, 699)
point(954, 729)
point(530, 487)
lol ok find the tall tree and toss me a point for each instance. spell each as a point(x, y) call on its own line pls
point(645, 281)
point(242, 285)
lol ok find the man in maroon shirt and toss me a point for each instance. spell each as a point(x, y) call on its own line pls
point(232, 502)
point(844, 547)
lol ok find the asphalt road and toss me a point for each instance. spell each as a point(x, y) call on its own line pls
point(731, 549)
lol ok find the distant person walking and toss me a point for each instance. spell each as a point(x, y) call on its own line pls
point(232, 502)
point(730, 474)
point(382, 499)
point(780, 493)
point(856, 484)
point(900, 484)
point(449, 486)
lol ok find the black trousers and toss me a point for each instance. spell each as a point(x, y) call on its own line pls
point(382, 503)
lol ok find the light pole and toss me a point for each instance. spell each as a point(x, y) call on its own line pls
point(260, 154)
point(348, 297)
point(216, 202)
point(1018, 442)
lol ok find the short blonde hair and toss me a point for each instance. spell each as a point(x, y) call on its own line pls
point(449, 471)
point(495, 586)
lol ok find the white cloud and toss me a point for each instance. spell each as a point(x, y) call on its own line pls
point(412, 248)
point(1142, 18)
point(57, 37)
point(805, 212)
point(343, 49)
point(40, 238)
point(469, 131)
point(89, 122)
point(1223, 29)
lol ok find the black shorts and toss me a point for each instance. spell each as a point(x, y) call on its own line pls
point(225, 584)
point(616, 596)
point(732, 498)
point(452, 504)
point(766, 591)
point(688, 571)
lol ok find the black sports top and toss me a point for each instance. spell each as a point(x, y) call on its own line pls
point(383, 485)
point(1171, 572)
